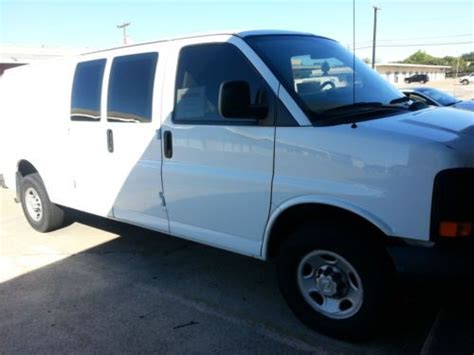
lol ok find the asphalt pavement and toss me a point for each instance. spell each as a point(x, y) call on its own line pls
point(99, 286)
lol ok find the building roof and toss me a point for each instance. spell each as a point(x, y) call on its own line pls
point(14, 54)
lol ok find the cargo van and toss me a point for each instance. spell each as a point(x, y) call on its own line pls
point(277, 145)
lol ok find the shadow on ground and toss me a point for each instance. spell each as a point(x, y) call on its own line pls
point(147, 292)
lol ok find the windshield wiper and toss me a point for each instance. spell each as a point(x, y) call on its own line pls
point(362, 110)
point(361, 106)
point(355, 106)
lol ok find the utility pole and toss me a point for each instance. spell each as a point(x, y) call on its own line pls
point(124, 27)
point(456, 77)
point(375, 35)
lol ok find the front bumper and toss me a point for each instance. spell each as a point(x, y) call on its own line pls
point(444, 260)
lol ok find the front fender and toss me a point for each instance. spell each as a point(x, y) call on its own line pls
point(319, 200)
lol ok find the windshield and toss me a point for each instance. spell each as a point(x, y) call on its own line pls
point(318, 73)
point(439, 96)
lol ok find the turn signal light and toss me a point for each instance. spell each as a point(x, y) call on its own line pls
point(455, 229)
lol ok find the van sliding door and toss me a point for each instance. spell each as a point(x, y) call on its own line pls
point(133, 120)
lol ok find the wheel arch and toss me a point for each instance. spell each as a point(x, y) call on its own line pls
point(299, 210)
point(24, 167)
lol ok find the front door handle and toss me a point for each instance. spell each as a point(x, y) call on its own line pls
point(168, 144)
point(110, 141)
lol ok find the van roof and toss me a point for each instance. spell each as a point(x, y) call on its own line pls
point(242, 34)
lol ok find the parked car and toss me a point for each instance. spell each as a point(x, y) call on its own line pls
point(435, 97)
point(466, 79)
point(417, 78)
point(208, 138)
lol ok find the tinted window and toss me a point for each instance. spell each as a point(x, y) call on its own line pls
point(86, 91)
point(131, 88)
point(201, 71)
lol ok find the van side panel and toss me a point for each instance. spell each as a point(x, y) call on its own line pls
point(36, 107)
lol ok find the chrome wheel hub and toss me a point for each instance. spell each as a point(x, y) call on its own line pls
point(33, 204)
point(331, 281)
point(330, 284)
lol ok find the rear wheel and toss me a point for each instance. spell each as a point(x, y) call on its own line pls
point(41, 213)
point(335, 280)
point(465, 82)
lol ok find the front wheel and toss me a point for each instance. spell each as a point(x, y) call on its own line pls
point(335, 281)
point(41, 213)
point(465, 82)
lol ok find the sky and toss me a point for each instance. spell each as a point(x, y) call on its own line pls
point(440, 27)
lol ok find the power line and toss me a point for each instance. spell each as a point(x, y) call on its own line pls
point(417, 44)
point(416, 38)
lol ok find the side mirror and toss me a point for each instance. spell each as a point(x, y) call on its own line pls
point(235, 101)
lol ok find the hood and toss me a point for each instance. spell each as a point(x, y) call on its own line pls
point(465, 105)
point(440, 124)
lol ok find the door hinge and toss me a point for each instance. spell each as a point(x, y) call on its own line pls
point(163, 201)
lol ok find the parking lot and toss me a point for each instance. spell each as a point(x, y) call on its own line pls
point(102, 286)
point(450, 86)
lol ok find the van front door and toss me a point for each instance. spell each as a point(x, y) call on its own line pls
point(217, 172)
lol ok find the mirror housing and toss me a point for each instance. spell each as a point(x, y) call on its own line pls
point(235, 102)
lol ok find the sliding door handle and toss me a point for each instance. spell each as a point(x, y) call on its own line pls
point(110, 141)
point(168, 144)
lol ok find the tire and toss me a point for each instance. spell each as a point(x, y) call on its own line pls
point(407, 81)
point(372, 272)
point(465, 82)
point(422, 81)
point(43, 215)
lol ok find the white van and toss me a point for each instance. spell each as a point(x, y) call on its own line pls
point(209, 138)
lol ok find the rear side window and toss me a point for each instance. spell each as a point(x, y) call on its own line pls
point(201, 71)
point(131, 88)
point(86, 91)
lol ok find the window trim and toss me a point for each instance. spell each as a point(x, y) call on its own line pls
point(269, 121)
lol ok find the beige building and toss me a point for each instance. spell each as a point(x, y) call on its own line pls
point(397, 72)
point(14, 55)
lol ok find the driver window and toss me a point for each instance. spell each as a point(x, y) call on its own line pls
point(201, 71)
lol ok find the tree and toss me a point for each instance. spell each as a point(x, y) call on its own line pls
point(468, 57)
point(465, 61)
point(421, 57)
